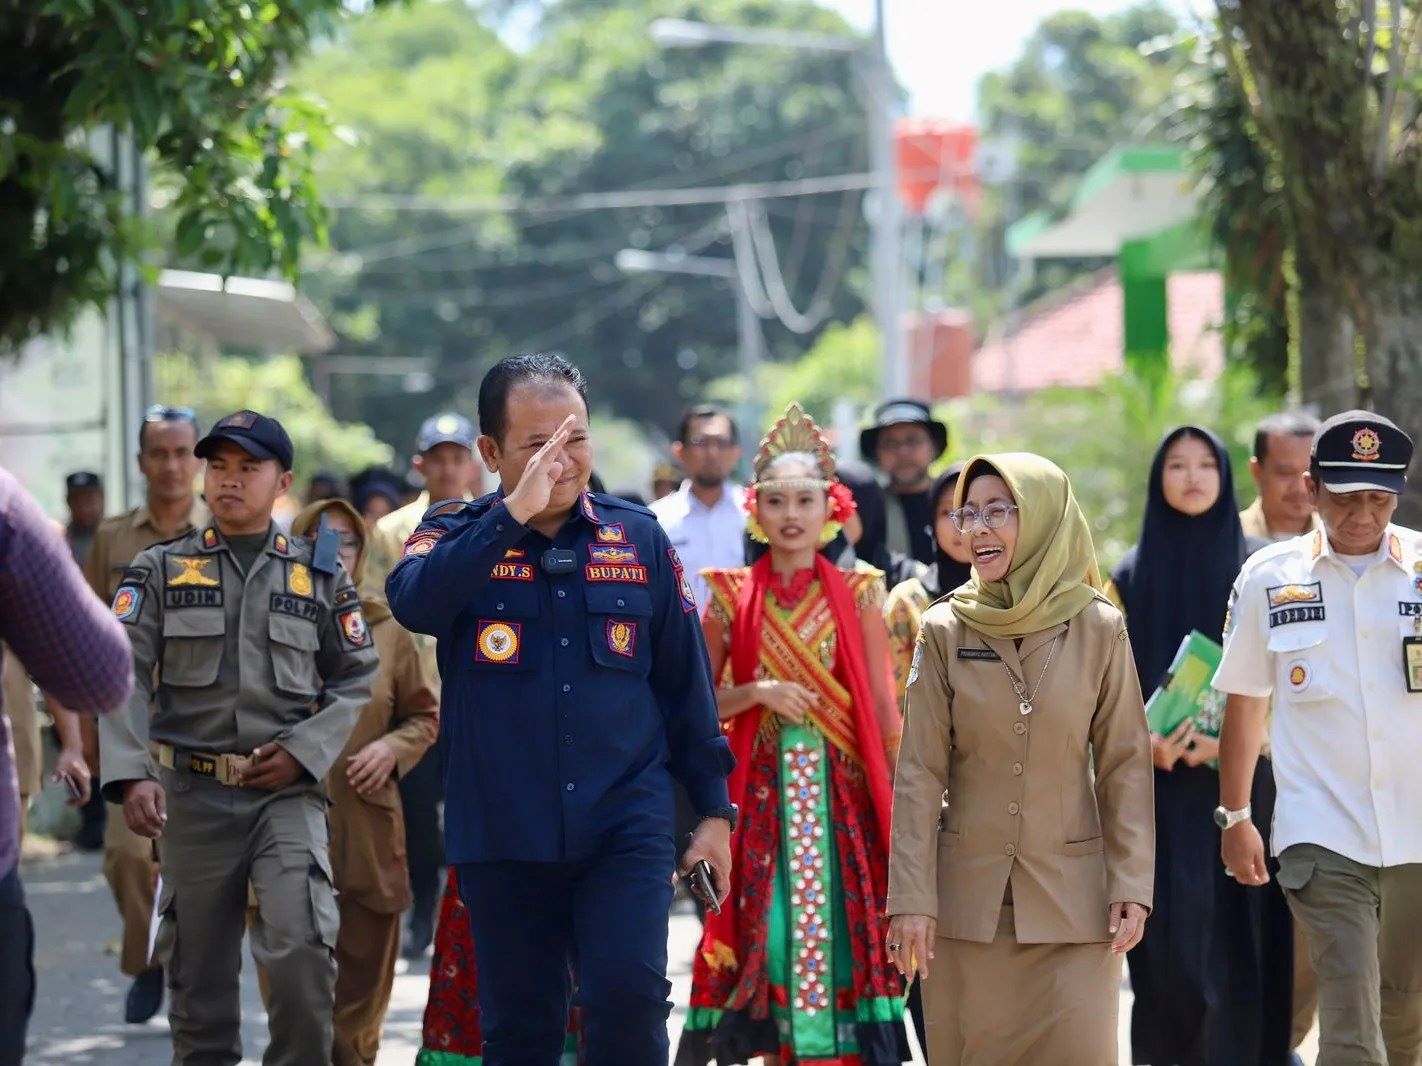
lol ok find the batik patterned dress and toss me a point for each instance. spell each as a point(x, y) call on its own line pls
point(806, 976)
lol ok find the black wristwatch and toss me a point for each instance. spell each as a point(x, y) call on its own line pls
point(730, 812)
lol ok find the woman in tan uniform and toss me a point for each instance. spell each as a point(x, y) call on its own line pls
point(394, 730)
point(1019, 876)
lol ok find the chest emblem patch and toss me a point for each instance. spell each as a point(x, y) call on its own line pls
point(498, 642)
point(192, 570)
point(1299, 676)
point(622, 637)
point(1288, 595)
point(612, 533)
point(298, 583)
point(613, 553)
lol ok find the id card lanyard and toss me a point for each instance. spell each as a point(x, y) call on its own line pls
point(1412, 657)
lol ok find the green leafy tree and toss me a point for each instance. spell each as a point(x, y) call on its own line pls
point(1081, 86)
point(194, 86)
point(436, 107)
point(277, 387)
point(1332, 87)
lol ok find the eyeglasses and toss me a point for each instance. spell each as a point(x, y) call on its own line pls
point(722, 444)
point(160, 413)
point(993, 516)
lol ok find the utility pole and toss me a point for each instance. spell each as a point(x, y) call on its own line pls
point(886, 217)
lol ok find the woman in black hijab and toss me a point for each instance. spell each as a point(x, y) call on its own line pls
point(1213, 975)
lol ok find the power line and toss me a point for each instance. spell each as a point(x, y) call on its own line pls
point(603, 201)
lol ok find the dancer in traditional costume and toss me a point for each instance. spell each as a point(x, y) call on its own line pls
point(792, 968)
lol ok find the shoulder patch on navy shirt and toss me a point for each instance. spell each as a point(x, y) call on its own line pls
point(684, 590)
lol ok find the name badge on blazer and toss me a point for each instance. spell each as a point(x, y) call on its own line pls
point(986, 655)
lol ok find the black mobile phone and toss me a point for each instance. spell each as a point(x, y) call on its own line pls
point(72, 785)
point(704, 885)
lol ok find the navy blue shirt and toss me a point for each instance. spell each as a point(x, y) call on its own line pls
point(570, 700)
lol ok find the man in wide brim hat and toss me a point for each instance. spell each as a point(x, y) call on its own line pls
point(903, 442)
point(902, 413)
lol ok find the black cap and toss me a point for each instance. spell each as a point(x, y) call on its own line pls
point(447, 428)
point(902, 413)
point(1359, 451)
point(257, 435)
point(83, 479)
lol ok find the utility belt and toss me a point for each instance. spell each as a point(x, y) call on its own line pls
point(224, 769)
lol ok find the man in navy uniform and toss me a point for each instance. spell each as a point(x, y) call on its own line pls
point(576, 687)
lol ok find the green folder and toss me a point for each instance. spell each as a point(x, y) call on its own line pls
point(1186, 691)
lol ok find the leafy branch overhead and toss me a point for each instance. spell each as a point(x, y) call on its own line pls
point(195, 87)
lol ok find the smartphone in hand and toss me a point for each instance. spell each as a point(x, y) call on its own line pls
point(704, 885)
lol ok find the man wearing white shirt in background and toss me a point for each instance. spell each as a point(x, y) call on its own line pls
point(1330, 625)
point(704, 519)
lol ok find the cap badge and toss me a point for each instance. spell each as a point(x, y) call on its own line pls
point(447, 424)
point(240, 420)
point(1367, 445)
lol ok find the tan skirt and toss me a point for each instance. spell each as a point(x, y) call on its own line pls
point(1007, 1003)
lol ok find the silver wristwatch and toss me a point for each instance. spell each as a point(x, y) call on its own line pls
point(1228, 819)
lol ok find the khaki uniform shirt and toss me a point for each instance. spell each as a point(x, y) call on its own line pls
point(280, 654)
point(119, 540)
point(1255, 525)
point(1058, 803)
point(368, 832)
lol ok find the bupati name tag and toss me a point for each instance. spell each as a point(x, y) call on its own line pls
point(980, 654)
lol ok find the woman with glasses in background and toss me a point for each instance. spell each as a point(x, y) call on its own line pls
point(1022, 853)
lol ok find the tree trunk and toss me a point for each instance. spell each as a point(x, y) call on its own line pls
point(1395, 378)
point(1328, 370)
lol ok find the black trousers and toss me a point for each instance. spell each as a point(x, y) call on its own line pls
point(17, 969)
point(421, 791)
point(605, 918)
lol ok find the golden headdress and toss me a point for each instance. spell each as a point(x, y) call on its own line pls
point(795, 433)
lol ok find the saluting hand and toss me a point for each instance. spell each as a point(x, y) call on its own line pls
point(535, 486)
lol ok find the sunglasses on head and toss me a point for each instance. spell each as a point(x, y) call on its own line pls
point(159, 413)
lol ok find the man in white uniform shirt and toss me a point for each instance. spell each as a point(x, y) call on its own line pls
point(704, 519)
point(1330, 625)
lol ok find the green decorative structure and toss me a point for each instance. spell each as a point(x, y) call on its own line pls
point(1140, 206)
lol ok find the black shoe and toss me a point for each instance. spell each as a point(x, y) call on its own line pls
point(418, 935)
point(144, 997)
point(90, 837)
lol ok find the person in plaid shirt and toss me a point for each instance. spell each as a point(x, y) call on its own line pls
point(74, 648)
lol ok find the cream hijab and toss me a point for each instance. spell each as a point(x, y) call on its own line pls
point(1053, 574)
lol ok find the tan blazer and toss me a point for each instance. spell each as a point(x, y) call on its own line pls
point(1025, 805)
point(368, 833)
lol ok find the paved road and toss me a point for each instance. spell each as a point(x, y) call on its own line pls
point(79, 1013)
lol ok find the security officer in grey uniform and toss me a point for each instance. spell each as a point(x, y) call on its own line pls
point(263, 662)
point(1329, 625)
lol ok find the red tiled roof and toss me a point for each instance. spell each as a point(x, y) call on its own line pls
point(1074, 339)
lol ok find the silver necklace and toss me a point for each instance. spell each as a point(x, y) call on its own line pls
point(1020, 687)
